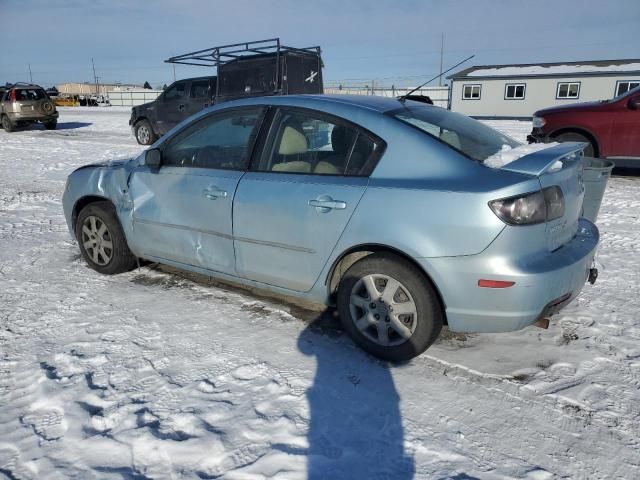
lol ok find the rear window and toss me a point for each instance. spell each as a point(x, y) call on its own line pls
point(23, 94)
point(470, 137)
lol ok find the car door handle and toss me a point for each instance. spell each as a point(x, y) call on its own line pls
point(329, 204)
point(181, 107)
point(214, 193)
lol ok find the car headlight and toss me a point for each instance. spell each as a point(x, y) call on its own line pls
point(539, 122)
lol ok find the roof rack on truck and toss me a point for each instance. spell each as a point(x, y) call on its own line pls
point(261, 67)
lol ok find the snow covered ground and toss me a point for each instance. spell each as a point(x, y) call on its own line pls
point(164, 375)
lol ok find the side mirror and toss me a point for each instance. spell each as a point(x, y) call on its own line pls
point(634, 103)
point(153, 158)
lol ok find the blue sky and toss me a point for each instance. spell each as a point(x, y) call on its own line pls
point(391, 42)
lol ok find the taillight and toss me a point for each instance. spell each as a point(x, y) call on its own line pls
point(554, 199)
point(12, 95)
point(530, 208)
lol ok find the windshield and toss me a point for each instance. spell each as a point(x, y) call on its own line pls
point(474, 139)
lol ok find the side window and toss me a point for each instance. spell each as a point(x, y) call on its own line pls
point(568, 90)
point(514, 91)
point(309, 143)
point(175, 91)
point(623, 87)
point(222, 141)
point(199, 89)
point(471, 92)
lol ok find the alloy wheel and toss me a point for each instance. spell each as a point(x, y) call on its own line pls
point(96, 240)
point(143, 134)
point(383, 310)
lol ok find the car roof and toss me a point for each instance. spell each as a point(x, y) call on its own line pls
point(368, 102)
point(23, 85)
point(208, 77)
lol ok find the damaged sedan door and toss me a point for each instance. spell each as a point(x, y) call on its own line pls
point(182, 208)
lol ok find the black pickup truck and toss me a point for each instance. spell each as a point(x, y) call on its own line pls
point(179, 101)
point(251, 69)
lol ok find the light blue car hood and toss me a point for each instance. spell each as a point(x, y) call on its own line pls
point(127, 162)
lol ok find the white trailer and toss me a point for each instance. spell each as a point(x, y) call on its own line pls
point(517, 91)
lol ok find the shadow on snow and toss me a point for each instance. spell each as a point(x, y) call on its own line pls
point(355, 428)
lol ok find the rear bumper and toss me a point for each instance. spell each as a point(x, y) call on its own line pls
point(545, 282)
point(32, 116)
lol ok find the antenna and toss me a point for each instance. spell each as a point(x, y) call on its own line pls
point(403, 97)
point(441, 57)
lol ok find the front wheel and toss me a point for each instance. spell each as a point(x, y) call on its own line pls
point(144, 133)
point(389, 307)
point(102, 242)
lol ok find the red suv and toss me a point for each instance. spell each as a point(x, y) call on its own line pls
point(611, 127)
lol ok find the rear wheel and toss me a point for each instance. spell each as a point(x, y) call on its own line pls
point(7, 124)
point(144, 133)
point(589, 151)
point(389, 307)
point(102, 242)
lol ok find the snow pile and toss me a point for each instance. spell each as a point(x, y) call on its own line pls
point(508, 154)
point(159, 374)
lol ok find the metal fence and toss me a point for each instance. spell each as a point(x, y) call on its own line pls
point(131, 98)
point(439, 95)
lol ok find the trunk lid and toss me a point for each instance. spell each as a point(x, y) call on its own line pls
point(559, 165)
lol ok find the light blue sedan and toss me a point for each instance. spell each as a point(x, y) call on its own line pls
point(383, 207)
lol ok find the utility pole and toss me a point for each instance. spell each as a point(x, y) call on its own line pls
point(441, 58)
point(95, 78)
point(30, 75)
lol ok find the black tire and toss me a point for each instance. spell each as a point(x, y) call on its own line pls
point(50, 125)
point(427, 322)
point(144, 133)
point(7, 124)
point(589, 151)
point(120, 258)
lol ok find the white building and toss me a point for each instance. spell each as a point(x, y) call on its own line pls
point(517, 91)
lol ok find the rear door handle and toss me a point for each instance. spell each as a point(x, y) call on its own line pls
point(213, 193)
point(328, 204)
